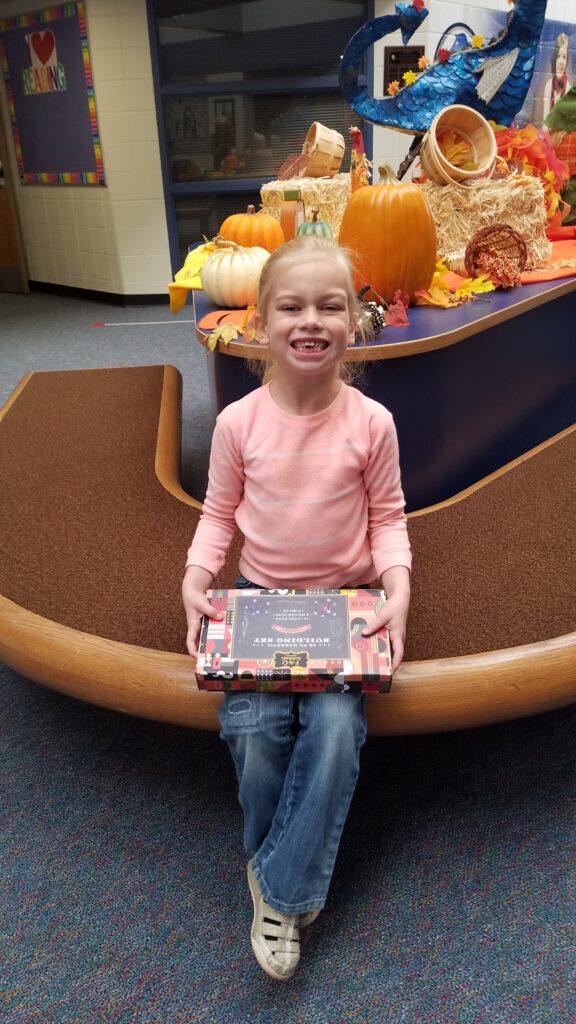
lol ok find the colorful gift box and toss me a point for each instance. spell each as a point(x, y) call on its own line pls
point(301, 641)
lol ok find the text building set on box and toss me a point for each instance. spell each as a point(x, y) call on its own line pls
point(294, 641)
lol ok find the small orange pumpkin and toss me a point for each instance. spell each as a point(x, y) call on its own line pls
point(391, 231)
point(253, 229)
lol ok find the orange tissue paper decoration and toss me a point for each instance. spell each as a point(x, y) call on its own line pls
point(253, 229)
point(530, 151)
point(391, 232)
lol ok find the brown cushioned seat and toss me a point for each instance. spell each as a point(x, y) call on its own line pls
point(95, 528)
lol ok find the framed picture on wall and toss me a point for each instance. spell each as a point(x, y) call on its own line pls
point(223, 135)
point(225, 112)
point(48, 74)
point(187, 123)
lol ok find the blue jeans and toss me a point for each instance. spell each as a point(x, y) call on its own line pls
point(297, 758)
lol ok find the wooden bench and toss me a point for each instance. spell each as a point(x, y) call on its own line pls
point(95, 527)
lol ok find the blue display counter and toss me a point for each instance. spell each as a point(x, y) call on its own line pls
point(470, 388)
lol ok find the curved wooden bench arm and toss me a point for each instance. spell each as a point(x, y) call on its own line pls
point(427, 696)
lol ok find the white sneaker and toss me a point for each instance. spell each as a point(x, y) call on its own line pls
point(275, 937)
point(305, 919)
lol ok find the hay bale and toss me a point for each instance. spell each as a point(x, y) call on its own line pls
point(459, 212)
point(327, 195)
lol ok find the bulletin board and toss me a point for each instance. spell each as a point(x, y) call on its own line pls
point(48, 74)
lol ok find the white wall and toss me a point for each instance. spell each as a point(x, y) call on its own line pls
point(392, 146)
point(111, 238)
point(115, 238)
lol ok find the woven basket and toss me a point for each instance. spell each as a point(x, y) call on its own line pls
point(496, 239)
point(468, 126)
point(324, 148)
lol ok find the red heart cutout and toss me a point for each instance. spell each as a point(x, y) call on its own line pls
point(43, 44)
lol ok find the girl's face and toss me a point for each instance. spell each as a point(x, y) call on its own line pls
point(308, 324)
point(562, 61)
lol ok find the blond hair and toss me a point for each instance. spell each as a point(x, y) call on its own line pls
point(562, 43)
point(289, 255)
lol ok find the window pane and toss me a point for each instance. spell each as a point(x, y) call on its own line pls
point(219, 40)
point(201, 216)
point(216, 138)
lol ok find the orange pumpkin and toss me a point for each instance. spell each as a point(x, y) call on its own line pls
point(392, 234)
point(253, 229)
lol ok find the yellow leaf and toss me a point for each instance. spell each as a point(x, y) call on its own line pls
point(456, 150)
point(435, 296)
point(229, 333)
point(475, 286)
point(408, 78)
point(226, 334)
point(249, 314)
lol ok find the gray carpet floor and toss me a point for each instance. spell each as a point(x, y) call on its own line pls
point(122, 891)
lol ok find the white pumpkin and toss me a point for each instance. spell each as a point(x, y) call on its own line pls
point(230, 276)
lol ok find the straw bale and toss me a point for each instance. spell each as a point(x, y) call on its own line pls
point(459, 212)
point(327, 195)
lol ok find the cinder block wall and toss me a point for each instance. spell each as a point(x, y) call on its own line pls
point(115, 239)
point(112, 238)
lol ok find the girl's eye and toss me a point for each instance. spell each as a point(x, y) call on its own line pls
point(288, 307)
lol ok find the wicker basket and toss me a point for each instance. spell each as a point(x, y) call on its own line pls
point(468, 126)
point(324, 148)
point(497, 240)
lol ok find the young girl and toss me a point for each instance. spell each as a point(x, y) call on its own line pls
point(307, 467)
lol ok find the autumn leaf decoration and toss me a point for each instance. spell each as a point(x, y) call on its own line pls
point(456, 150)
point(449, 289)
point(225, 333)
point(396, 315)
point(231, 332)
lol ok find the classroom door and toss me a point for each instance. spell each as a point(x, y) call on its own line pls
point(13, 272)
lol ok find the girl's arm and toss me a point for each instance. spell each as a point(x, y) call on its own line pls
point(388, 533)
point(215, 529)
point(194, 586)
point(396, 583)
point(217, 524)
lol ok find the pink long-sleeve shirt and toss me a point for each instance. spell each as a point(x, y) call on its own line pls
point(318, 498)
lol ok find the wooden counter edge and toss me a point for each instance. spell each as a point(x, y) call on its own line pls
point(395, 350)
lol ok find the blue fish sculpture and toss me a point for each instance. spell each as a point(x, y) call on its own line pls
point(493, 79)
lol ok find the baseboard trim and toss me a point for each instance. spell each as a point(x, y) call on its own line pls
point(114, 298)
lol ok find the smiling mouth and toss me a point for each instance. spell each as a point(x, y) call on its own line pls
point(309, 346)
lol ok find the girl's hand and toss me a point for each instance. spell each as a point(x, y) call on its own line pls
point(194, 585)
point(396, 582)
